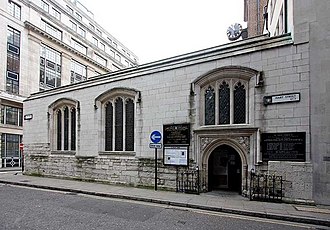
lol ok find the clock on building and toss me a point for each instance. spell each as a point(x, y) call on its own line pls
point(234, 31)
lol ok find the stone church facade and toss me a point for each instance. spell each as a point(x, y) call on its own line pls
point(100, 129)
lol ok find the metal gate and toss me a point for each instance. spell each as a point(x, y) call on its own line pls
point(187, 181)
point(266, 187)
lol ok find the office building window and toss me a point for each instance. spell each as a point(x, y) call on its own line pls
point(109, 40)
point(78, 16)
point(95, 41)
point(44, 6)
point(10, 153)
point(14, 9)
point(81, 32)
point(69, 9)
point(11, 115)
point(79, 47)
point(102, 46)
point(99, 32)
point(78, 72)
point(114, 44)
point(51, 30)
point(55, 13)
point(50, 68)
point(13, 60)
point(92, 26)
point(100, 60)
point(73, 25)
point(118, 58)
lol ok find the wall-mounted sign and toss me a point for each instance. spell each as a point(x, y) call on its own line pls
point(176, 134)
point(176, 155)
point(283, 98)
point(283, 146)
point(28, 116)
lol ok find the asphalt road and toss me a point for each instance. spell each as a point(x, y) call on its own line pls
point(28, 208)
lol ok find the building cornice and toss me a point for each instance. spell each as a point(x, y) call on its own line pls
point(202, 56)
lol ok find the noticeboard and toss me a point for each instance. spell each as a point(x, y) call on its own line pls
point(176, 134)
point(283, 146)
point(176, 155)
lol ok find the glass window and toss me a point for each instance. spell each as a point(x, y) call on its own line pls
point(56, 14)
point(78, 46)
point(78, 72)
point(14, 9)
point(100, 60)
point(69, 9)
point(51, 30)
point(92, 26)
point(102, 46)
point(118, 58)
point(73, 25)
point(13, 60)
point(95, 41)
point(44, 6)
point(65, 127)
point(81, 31)
point(99, 32)
point(226, 105)
point(119, 124)
point(78, 16)
point(50, 68)
point(11, 115)
point(10, 153)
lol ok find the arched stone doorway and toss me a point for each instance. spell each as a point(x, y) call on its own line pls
point(225, 169)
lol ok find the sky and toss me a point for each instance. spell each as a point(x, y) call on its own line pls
point(158, 29)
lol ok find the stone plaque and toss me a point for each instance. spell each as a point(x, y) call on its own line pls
point(176, 134)
point(283, 146)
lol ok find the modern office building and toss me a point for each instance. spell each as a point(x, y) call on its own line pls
point(45, 44)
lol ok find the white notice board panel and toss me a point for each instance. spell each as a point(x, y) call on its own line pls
point(176, 155)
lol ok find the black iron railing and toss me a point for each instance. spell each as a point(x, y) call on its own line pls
point(187, 181)
point(266, 187)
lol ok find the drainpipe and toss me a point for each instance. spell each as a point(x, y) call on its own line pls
point(258, 17)
point(258, 147)
point(285, 16)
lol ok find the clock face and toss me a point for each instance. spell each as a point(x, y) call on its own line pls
point(234, 32)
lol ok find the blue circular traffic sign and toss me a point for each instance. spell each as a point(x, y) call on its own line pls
point(155, 136)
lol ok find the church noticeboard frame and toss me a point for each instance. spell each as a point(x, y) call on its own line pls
point(283, 146)
point(176, 134)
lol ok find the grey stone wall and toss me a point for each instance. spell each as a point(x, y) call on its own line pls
point(297, 179)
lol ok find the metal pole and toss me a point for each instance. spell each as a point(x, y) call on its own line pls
point(155, 169)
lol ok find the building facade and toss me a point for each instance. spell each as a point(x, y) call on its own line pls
point(252, 106)
point(46, 44)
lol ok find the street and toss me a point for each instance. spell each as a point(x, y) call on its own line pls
point(29, 208)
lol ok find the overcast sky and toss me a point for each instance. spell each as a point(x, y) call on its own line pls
point(158, 29)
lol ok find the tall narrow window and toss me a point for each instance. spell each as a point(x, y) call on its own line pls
point(66, 128)
point(209, 106)
point(44, 6)
point(73, 129)
point(239, 103)
point(129, 129)
point(224, 103)
point(119, 124)
point(13, 60)
point(65, 121)
point(59, 129)
point(108, 126)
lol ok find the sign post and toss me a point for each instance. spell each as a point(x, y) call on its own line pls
point(155, 138)
point(21, 147)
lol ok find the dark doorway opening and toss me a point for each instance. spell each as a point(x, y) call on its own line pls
point(225, 169)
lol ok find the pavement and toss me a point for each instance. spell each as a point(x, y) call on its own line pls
point(224, 202)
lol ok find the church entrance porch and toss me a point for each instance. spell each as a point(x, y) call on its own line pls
point(224, 169)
